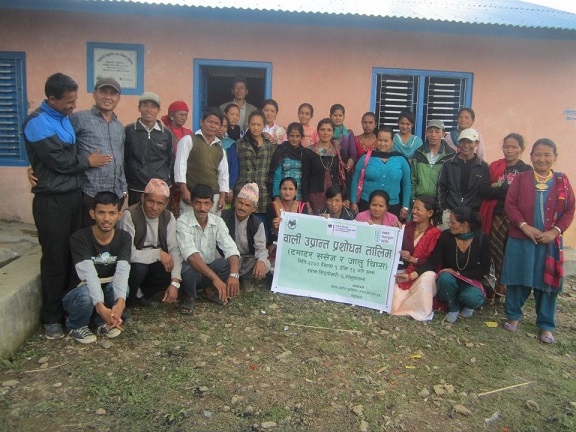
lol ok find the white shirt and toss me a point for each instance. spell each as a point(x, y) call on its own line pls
point(181, 164)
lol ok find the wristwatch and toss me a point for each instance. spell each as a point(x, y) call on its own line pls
point(175, 284)
point(235, 275)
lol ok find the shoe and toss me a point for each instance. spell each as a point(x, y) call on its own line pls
point(466, 312)
point(547, 339)
point(510, 327)
point(53, 331)
point(451, 317)
point(127, 316)
point(110, 333)
point(83, 335)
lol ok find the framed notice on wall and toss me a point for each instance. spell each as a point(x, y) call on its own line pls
point(123, 62)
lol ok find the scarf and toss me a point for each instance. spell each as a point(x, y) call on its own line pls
point(333, 150)
point(422, 250)
point(469, 235)
point(386, 155)
point(454, 135)
point(554, 261)
point(340, 131)
point(497, 169)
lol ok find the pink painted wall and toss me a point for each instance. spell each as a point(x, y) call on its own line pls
point(521, 85)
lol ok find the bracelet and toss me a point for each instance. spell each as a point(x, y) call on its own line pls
point(557, 229)
point(521, 224)
point(416, 261)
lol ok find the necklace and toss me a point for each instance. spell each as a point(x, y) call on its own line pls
point(467, 258)
point(542, 185)
point(418, 232)
point(329, 167)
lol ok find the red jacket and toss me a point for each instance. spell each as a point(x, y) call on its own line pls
point(521, 199)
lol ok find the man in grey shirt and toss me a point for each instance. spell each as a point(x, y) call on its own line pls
point(99, 130)
point(240, 91)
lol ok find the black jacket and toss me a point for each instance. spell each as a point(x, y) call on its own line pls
point(449, 194)
point(147, 156)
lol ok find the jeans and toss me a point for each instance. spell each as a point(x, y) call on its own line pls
point(193, 280)
point(79, 307)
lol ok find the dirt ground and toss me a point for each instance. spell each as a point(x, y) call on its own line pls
point(284, 363)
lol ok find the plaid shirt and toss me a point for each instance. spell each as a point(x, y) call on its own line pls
point(94, 133)
point(255, 168)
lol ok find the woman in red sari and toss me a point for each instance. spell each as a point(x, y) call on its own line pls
point(415, 297)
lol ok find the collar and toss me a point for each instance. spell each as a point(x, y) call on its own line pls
point(94, 110)
point(194, 221)
point(214, 141)
point(51, 111)
point(155, 127)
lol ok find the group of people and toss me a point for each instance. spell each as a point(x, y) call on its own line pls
point(204, 207)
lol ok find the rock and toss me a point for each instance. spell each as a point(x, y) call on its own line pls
point(100, 411)
point(449, 388)
point(573, 404)
point(15, 412)
point(439, 390)
point(533, 405)
point(106, 344)
point(227, 325)
point(204, 338)
point(469, 345)
point(363, 426)
point(273, 306)
point(44, 366)
point(207, 414)
point(424, 393)
point(461, 409)
point(201, 364)
point(358, 410)
point(284, 355)
point(268, 425)
point(492, 419)
point(203, 389)
point(225, 408)
point(56, 385)
point(249, 410)
point(43, 360)
point(156, 343)
point(10, 383)
point(236, 399)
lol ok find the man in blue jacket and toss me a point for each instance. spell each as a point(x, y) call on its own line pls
point(57, 205)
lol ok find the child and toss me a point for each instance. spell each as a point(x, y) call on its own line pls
point(273, 132)
point(404, 141)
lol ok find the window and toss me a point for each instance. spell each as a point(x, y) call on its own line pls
point(430, 95)
point(13, 108)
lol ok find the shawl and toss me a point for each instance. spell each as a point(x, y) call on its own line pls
point(333, 150)
point(554, 261)
point(422, 250)
point(285, 151)
point(497, 168)
point(410, 146)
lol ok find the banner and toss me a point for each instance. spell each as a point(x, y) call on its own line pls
point(332, 259)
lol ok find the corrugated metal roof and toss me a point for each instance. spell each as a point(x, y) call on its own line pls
point(489, 12)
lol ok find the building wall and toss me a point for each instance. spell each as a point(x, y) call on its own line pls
point(521, 85)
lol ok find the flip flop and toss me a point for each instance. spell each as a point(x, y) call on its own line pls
point(187, 307)
point(510, 327)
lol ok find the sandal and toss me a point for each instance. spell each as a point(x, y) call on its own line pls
point(547, 339)
point(214, 297)
point(187, 307)
point(510, 327)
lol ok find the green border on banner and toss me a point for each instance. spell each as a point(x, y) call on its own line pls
point(332, 259)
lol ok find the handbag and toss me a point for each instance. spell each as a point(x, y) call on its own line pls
point(361, 178)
